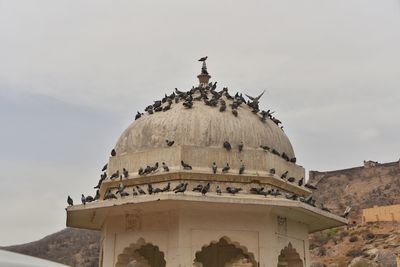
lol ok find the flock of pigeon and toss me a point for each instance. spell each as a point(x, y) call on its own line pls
point(213, 98)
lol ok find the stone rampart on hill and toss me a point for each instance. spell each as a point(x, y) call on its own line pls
point(374, 184)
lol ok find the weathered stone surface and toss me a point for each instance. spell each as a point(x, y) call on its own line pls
point(386, 259)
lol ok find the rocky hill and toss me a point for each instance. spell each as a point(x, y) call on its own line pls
point(358, 245)
point(359, 187)
point(73, 247)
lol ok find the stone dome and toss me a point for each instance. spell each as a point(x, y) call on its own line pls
point(203, 126)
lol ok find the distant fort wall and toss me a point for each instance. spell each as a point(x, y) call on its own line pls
point(315, 176)
point(381, 214)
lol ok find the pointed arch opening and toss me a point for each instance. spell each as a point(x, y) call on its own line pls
point(224, 253)
point(289, 257)
point(141, 254)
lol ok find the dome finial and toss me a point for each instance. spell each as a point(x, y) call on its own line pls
point(203, 77)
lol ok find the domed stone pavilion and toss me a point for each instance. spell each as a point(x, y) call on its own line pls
point(203, 178)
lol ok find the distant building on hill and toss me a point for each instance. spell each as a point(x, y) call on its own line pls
point(381, 214)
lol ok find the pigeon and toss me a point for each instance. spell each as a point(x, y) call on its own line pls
point(188, 104)
point(264, 147)
point(218, 190)
point(134, 193)
point(125, 172)
point(70, 201)
point(275, 192)
point(178, 186)
point(83, 199)
point(113, 153)
point(291, 196)
point(102, 177)
point(109, 195)
point(233, 190)
point(227, 145)
point(138, 115)
point(182, 189)
point(256, 190)
point(274, 151)
point(255, 99)
point(198, 188)
point(310, 186)
point(286, 157)
point(240, 146)
point(226, 168)
point(234, 112)
point(149, 189)
point(222, 108)
point(346, 212)
point(140, 171)
point(272, 171)
point(284, 175)
point(89, 199)
point(165, 167)
point(104, 168)
point(169, 142)
point(157, 190)
point(203, 59)
point(97, 196)
point(292, 179)
point(115, 175)
point(293, 160)
point(301, 181)
point(242, 167)
point(214, 167)
point(185, 165)
point(124, 194)
point(154, 168)
point(205, 189)
point(166, 188)
point(121, 187)
point(140, 190)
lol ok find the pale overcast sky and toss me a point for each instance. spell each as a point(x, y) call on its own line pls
point(74, 73)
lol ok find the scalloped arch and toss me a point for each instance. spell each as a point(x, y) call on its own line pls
point(130, 253)
point(237, 245)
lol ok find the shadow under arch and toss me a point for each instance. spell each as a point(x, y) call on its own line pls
point(141, 254)
point(224, 253)
point(289, 257)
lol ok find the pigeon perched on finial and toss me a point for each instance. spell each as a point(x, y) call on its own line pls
point(203, 58)
point(70, 201)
